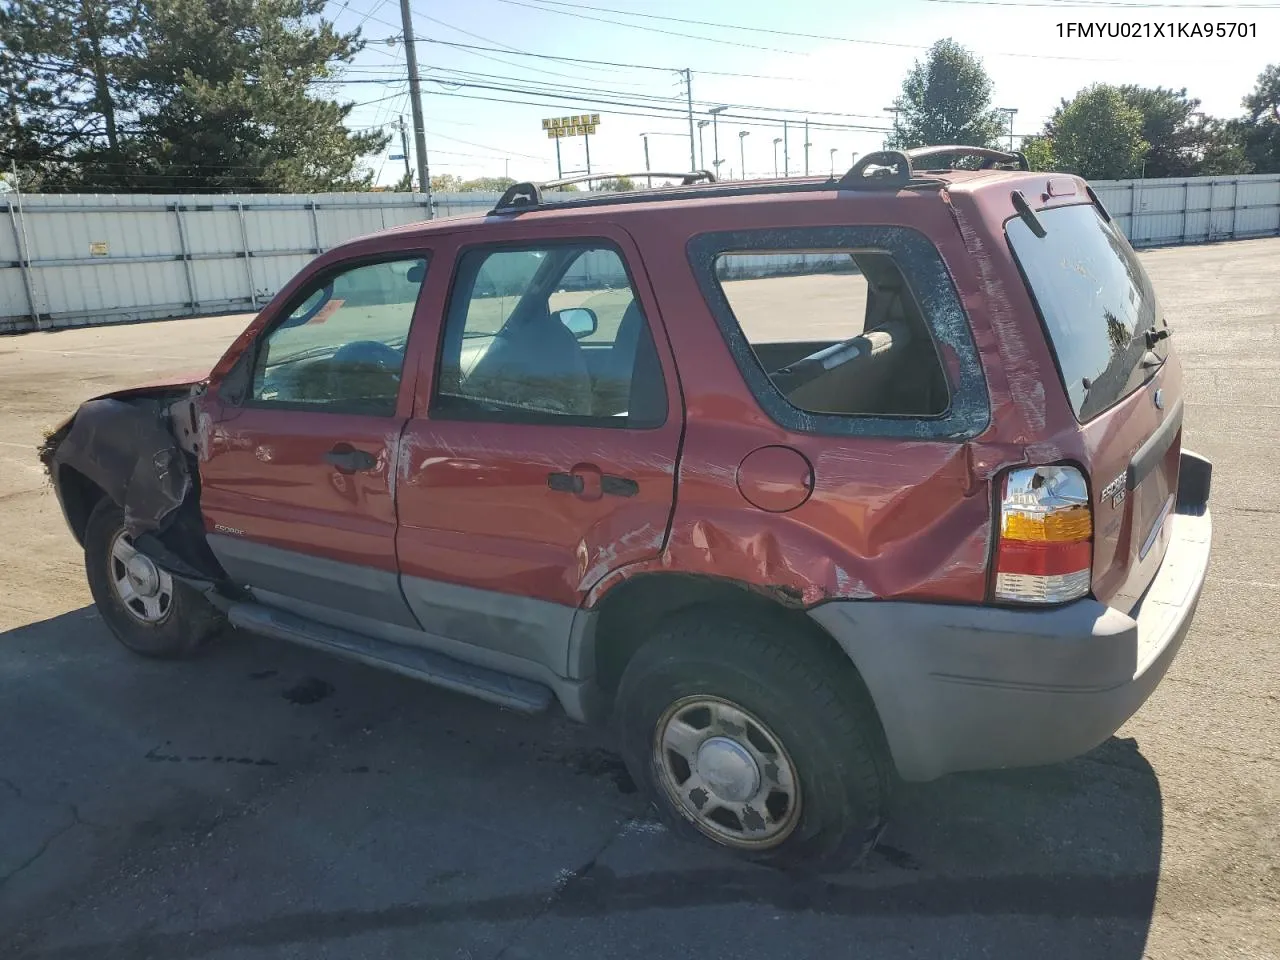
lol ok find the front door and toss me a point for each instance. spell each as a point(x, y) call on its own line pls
point(297, 490)
point(546, 455)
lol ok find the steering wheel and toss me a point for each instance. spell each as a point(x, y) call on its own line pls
point(372, 353)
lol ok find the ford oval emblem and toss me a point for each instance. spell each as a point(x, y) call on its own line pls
point(1159, 399)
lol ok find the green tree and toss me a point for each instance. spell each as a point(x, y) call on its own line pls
point(190, 95)
point(1261, 127)
point(235, 83)
point(946, 98)
point(1098, 135)
point(1222, 149)
point(65, 82)
point(1175, 140)
point(618, 184)
point(1038, 150)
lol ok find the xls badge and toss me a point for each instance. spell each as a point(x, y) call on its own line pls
point(1115, 491)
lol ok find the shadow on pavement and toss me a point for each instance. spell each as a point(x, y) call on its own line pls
point(281, 799)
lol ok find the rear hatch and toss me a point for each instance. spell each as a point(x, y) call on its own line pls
point(1112, 346)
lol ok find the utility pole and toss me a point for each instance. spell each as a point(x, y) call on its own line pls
point(807, 145)
point(786, 151)
point(776, 141)
point(415, 98)
point(715, 136)
point(833, 162)
point(688, 93)
point(742, 153)
point(559, 168)
point(702, 150)
point(586, 140)
point(646, 158)
point(404, 149)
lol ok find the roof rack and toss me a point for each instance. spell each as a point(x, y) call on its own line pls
point(896, 168)
point(881, 170)
point(529, 194)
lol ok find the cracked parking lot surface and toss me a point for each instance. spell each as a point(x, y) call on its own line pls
point(265, 801)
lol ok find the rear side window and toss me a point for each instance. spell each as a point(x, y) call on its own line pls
point(836, 331)
point(1096, 302)
point(853, 331)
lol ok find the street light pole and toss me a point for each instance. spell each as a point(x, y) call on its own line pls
point(807, 145)
point(742, 154)
point(776, 141)
point(833, 162)
point(786, 151)
point(702, 150)
point(1009, 112)
point(894, 110)
point(715, 136)
point(645, 136)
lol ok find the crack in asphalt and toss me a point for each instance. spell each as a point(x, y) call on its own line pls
point(48, 842)
point(563, 883)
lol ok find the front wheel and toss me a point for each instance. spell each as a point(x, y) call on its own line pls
point(755, 737)
point(149, 611)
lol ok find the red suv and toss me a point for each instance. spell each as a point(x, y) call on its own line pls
point(805, 484)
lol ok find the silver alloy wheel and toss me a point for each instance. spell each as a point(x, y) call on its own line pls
point(143, 589)
point(727, 771)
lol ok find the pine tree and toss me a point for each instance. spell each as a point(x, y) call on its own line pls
point(178, 95)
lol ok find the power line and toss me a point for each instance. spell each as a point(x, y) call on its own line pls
point(549, 6)
point(593, 92)
point(637, 26)
point(614, 63)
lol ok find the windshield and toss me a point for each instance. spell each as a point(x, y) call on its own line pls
point(1096, 302)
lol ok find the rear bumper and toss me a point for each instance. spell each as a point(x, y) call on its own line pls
point(977, 688)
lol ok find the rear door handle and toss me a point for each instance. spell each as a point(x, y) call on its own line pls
point(619, 486)
point(347, 459)
point(565, 482)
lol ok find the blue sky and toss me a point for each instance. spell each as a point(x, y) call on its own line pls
point(833, 81)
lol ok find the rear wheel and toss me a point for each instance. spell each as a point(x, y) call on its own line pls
point(753, 736)
point(149, 611)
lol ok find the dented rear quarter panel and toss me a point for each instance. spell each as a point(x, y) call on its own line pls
point(888, 517)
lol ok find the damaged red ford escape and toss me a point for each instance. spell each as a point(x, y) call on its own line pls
point(804, 485)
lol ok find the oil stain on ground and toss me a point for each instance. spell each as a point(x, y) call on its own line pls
point(308, 691)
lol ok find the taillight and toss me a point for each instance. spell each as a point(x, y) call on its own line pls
point(1045, 551)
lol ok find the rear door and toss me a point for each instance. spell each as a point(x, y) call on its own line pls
point(1111, 342)
point(297, 488)
point(543, 454)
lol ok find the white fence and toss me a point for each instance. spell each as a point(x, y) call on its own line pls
point(1193, 209)
point(73, 260)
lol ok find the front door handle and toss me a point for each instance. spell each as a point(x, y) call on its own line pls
point(347, 459)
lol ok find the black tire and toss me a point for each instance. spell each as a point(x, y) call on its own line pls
point(813, 704)
point(189, 621)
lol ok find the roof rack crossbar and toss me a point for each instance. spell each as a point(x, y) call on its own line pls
point(530, 194)
point(990, 158)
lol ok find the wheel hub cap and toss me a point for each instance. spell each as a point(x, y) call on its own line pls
point(143, 575)
point(730, 772)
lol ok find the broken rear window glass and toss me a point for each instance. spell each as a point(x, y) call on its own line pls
point(837, 331)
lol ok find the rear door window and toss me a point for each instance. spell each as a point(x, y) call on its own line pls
point(1096, 302)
